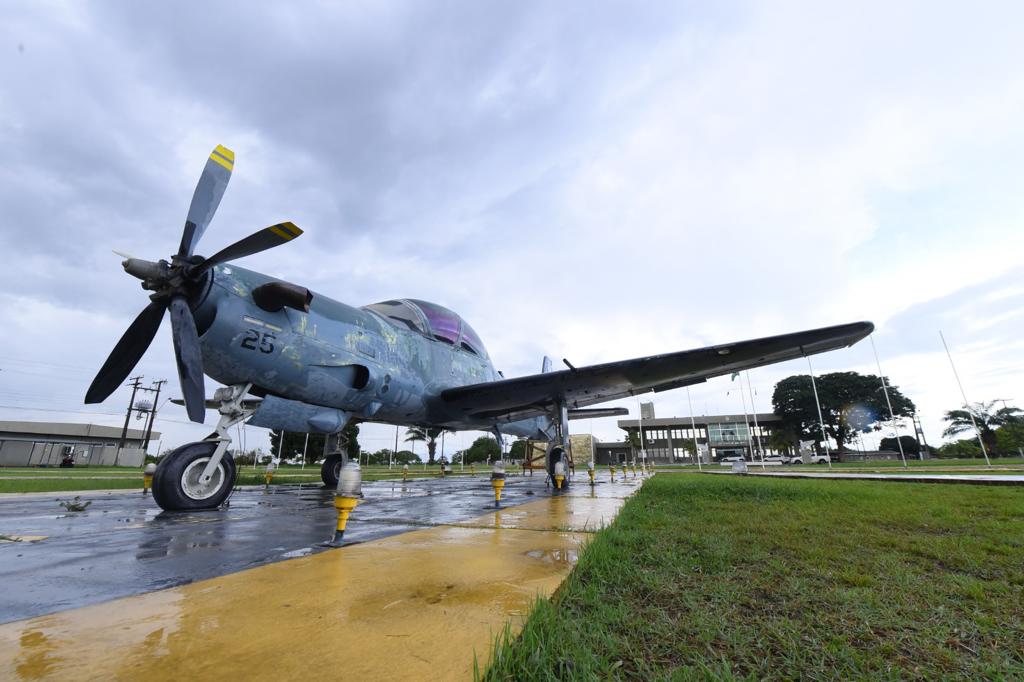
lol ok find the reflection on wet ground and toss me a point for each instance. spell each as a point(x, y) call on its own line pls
point(406, 605)
point(123, 544)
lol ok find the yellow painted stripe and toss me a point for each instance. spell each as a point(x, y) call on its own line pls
point(222, 161)
point(290, 227)
point(225, 152)
point(281, 233)
point(488, 575)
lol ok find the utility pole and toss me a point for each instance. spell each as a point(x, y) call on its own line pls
point(134, 383)
point(152, 412)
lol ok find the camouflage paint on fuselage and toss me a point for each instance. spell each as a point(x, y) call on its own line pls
point(335, 358)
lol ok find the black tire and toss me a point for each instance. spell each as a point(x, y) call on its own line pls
point(175, 481)
point(330, 471)
point(554, 454)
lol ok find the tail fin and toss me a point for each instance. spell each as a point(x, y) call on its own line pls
point(545, 366)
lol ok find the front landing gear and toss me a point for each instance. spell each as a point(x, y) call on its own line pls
point(178, 482)
point(201, 475)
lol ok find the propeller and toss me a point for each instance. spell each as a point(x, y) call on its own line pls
point(173, 282)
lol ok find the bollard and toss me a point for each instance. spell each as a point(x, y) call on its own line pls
point(269, 475)
point(590, 472)
point(346, 497)
point(405, 473)
point(634, 468)
point(559, 475)
point(498, 482)
point(472, 470)
point(611, 467)
point(147, 477)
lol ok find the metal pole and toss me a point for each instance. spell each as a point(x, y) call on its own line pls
point(693, 426)
point(967, 405)
point(885, 390)
point(395, 451)
point(640, 428)
point(753, 411)
point(821, 420)
point(127, 417)
point(746, 423)
point(152, 413)
point(305, 449)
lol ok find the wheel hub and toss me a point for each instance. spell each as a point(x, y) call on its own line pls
point(192, 484)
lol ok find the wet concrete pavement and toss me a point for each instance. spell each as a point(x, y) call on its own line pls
point(406, 605)
point(122, 544)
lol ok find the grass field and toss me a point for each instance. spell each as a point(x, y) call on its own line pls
point(32, 480)
point(730, 577)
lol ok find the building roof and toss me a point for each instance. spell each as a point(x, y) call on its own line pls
point(71, 430)
point(684, 422)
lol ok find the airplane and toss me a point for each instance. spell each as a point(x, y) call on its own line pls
point(294, 359)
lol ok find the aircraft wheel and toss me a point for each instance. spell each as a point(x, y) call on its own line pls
point(176, 484)
point(556, 453)
point(330, 471)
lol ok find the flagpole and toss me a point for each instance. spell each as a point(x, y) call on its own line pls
point(885, 390)
point(821, 420)
point(753, 410)
point(746, 419)
point(967, 405)
point(693, 427)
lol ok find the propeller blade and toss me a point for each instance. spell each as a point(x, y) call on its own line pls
point(126, 353)
point(209, 191)
point(267, 238)
point(190, 359)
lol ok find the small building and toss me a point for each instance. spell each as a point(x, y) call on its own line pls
point(673, 440)
point(48, 443)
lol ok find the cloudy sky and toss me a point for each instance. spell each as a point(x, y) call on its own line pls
point(595, 181)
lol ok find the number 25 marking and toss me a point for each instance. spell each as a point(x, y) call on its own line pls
point(264, 341)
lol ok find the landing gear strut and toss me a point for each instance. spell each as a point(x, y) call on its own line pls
point(201, 475)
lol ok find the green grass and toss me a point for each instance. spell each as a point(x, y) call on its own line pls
point(36, 480)
point(731, 577)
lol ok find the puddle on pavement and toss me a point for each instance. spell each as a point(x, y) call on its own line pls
point(567, 556)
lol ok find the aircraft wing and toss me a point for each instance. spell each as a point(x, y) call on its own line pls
point(536, 394)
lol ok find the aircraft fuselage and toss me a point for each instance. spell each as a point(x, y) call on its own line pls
point(317, 369)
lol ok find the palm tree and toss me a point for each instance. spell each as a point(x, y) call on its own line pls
point(424, 433)
point(987, 419)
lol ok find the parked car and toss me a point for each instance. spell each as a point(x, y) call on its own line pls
point(809, 458)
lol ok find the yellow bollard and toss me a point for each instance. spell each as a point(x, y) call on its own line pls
point(590, 472)
point(634, 469)
point(346, 497)
point(147, 477)
point(498, 482)
point(612, 468)
point(559, 475)
point(405, 473)
point(472, 470)
point(269, 475)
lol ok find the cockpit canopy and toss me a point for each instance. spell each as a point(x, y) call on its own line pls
point(430, 320)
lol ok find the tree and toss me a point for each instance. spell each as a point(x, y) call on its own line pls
point(425, 434)
point(518, 450)
point(987, 419)
point(295, 442)
point(407, 457)
point(482, 449)
point(1010, 438)
point(968, 447)
point(910, 445)
point(850, 403)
